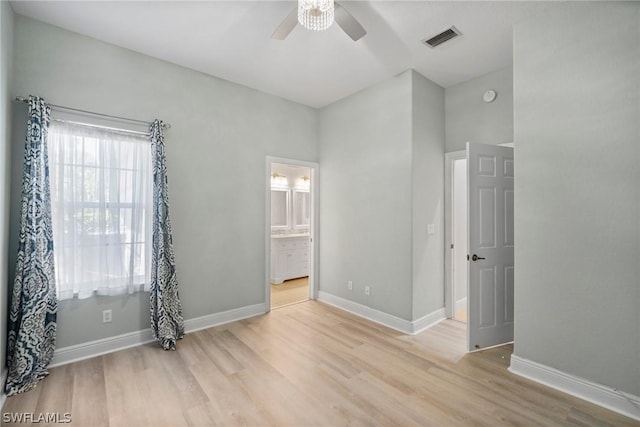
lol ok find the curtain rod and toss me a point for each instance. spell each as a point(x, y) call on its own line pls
point(26, 101)
point(126, 131)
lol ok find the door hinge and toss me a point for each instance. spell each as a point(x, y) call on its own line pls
point(452, 246)
point(467, 257)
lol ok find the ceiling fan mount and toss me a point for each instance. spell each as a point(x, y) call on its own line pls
point(343, 18)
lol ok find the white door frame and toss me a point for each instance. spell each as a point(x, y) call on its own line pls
point(313, 226)
point(449, 299)
point(450, 158)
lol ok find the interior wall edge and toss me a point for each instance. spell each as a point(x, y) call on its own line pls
point(407, 327)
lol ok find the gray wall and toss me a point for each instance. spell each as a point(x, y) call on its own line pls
point(365, 193)
point(577, 132)
point(469, 118)
point(381, 184)
point(6, 65)
point(218, 130)
point(428, 122)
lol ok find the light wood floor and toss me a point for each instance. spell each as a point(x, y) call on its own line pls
point(290, 292)
point(306, 365)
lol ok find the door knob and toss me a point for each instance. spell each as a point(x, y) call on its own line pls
point(476, 257)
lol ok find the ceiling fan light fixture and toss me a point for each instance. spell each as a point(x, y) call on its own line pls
point(316, 15)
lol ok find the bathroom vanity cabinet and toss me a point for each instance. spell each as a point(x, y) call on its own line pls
point(289, 257)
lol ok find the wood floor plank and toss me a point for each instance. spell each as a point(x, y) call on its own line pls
point(229, 404)
point(23, 403)
point(508, 406)
point(365, 397)
point(289, 292)
point(161, 405)
point(307, 364)
point(185, 387)
point(218, 355)
point(57, 398)
point(124, 407)
point(89, 405)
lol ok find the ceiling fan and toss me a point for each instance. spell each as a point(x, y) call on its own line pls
point(343, 18)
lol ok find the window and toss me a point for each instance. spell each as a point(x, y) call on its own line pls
point(101, 204)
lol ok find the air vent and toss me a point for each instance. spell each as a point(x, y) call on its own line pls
point(444, 36)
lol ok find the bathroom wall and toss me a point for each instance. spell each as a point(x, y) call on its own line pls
point(293, 174)
point(293, 178)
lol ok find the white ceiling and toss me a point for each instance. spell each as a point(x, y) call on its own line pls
point(232, 40)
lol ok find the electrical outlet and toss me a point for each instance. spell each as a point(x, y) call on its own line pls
point(367, 290)
point(350, 285)
point(106, 316)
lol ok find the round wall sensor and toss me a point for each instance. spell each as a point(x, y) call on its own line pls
point(489, 96)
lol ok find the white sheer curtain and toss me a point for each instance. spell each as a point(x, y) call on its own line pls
point(101, 199)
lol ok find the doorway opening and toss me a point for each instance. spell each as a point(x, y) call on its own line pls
point(457, 220)
point(290, 230)
point(479, 225)
point(459, 249)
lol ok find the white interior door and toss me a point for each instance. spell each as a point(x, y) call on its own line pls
point(490, 245)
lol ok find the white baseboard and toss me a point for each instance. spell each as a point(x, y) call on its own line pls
point(425, 322)
point(211, 320)
point(3, 395)
point(377, 316)
point(87, 350)
point(461, 304)
point(607, 397)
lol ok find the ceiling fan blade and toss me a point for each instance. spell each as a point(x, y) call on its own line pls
point(286, 26)
point(348, 23)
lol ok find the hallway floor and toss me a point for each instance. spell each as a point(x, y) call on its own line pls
point(290, 292)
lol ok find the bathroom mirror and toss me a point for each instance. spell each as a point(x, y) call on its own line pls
point(301, 208)
point(280, 205)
